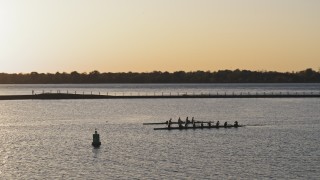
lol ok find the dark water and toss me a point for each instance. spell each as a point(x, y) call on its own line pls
point(52, 139)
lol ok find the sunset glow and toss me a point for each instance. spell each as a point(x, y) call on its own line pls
point(166, 35)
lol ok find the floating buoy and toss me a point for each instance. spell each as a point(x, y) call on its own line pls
point(96, 139)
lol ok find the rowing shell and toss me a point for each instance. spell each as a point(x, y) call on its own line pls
point(182, 122)
point(197, 127)
point(159, 123)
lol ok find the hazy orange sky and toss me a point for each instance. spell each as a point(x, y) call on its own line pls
point(165, 35)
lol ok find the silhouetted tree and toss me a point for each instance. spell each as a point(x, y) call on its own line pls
point(221, 76)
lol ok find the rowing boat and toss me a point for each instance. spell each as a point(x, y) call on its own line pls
point(182, 122)
point(159, 123)
point(197, 127)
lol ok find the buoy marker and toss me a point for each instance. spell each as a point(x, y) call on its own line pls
point(96, 139)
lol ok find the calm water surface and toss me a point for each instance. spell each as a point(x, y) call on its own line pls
point(52, 139)
point(151, 89)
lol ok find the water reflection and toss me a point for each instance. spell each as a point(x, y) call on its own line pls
point(96, 152)
point(52, 139)
point(152, 89)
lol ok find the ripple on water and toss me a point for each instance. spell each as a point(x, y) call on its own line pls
point(52, 140)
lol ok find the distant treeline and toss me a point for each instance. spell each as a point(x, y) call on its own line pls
point(222, 76)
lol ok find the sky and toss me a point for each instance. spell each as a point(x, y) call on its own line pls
point(158, 35)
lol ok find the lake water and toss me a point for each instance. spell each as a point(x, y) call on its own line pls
point(51, 139)
point(158, 89)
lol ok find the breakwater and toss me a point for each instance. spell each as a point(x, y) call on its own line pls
point(57, 96)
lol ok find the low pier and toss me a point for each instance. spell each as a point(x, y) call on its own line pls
point(57, 96)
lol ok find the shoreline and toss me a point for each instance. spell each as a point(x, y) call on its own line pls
point(62, 96)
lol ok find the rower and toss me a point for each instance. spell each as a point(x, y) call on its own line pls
point(179, 120)
point(217, 124)
point(202, 125)
point(169, 124)
point(194, 124)
point(236, 124)
point(209, 124)
point(187, 120)
point(192, 120)
point(225, 124)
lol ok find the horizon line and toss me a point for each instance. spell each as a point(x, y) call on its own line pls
point(84, 72)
